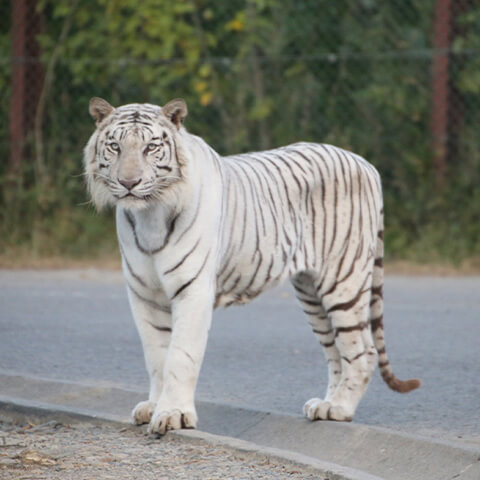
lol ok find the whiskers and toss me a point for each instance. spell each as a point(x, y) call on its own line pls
point(88, 203)
point(170, 177)
point(79, 175)
point(107, 190)
point(106, 178)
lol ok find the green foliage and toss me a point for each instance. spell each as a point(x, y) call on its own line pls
point(257, 74)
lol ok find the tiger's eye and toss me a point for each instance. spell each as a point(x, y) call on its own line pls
point(114, 146)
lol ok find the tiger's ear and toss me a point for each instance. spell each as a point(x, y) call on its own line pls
point(99, 109)
point(175, 111)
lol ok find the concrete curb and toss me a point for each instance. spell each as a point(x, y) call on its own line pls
point(338, 450)
point(330, 471)
point(16, 409)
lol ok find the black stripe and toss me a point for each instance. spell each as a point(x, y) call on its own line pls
point(348, 305)
point(370, 200)
point(231, 187)
point(374, 300)
point(186, 284)
point(285, 186)
point(376, 323)
point(317, 165)
point(225, 280)
point(269, 271)
point(171, 228)
point(235, 283)
point(260, 258)
point(256, 200)
point(325, 158)
point(186, 354)
point(244, 224)
point(195, 216)
point(130, 269)
point(352, 205)
point(314, 303)
point(255, 204)
point(131, 221)
point(287, 164)
point(356, 357)
point(273, 203)
point(335, 208)
point(360, 190)
point(270, 203)
point(151, 303)
point(170, 270)
point(342, 167)
point(160, 329)
point(323, 332)
point(353, 328)
point(378, 291)
point(300, 290)
point(349, 273)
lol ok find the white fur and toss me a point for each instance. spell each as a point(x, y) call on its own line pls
point(222, 230)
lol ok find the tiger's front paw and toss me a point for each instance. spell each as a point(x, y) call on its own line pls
point(143, 412)
point(317, 409)
point(174, 419)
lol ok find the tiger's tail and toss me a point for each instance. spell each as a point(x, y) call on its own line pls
point(376, 323)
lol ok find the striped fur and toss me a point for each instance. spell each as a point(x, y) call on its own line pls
point(198, 231)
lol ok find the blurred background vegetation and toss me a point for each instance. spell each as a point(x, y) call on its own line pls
point(397, 81)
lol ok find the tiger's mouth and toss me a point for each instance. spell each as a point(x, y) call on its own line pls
point(132, 201)
point(134, 196)
point(128, 195)
point(131, 197)
point(137, 198)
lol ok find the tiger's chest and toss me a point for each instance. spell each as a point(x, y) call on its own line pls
point(165, 252)
point(141, 245)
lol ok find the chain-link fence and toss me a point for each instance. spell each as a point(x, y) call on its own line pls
point(397, 81)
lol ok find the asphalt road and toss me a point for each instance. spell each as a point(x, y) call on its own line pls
point(76, 326)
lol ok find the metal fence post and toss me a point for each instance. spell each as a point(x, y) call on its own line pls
point(440, 100)
point(27, 77)
point(17, 102)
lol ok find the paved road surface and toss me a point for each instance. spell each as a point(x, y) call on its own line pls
point(76, 325)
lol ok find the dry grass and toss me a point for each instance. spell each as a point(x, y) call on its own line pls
point(447, 269)
point(20, 259)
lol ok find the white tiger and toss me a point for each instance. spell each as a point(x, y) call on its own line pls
point(198, 231)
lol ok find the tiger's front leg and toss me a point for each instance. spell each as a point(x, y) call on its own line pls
point(154, 325)
point(192, 316)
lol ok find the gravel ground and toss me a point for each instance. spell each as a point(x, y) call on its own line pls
point(88, 451)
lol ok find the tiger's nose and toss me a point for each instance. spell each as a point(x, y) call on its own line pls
point(129, 183)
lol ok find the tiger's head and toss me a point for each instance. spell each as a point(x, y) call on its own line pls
point(134, 156)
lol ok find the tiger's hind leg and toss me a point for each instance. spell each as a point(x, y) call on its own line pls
point(321, 325)
point(348, 307)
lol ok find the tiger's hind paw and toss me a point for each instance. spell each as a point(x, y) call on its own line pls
point(318, 409)
point(143, 412)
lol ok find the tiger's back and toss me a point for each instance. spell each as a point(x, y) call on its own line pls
point(298, 208)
